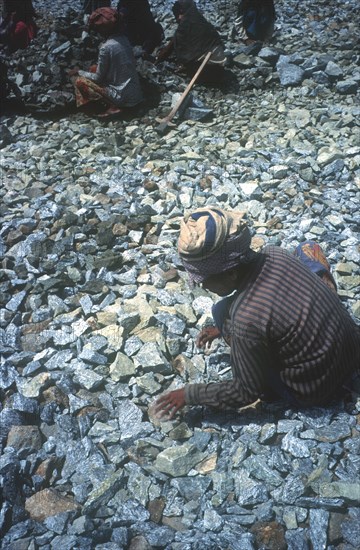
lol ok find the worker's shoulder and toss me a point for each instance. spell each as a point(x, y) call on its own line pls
point(116, 40)
point(277, 254)
point(278, 260)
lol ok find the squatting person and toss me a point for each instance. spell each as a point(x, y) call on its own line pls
point(115, 81)
point(18, 27)
point(193, 39)
point(290, 336)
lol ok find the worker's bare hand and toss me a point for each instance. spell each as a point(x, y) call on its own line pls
point(161, 56)
point(164, 53)
point(170, 403)
point(207, 336)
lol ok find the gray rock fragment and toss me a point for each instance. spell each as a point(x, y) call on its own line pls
point(154, 534)
point(192, 488)
point(122, 368)
point(88, 379)
point(289, 74)
point(319, 520)
point(8, 375)
point(333, 71)
point(177, 461)
point(151, 359)
point(103, 493)
point(290, 491)
point(249, 491)
point(130, 421)
point(92, 356)
point(212, 521)
point(295, 446)
point(350, 529)
point(16, 301)
point(340, 489)
point(297, 539)
point(258, 468)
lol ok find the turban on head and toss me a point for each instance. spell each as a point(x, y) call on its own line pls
point(212, 241)
point(104, 20)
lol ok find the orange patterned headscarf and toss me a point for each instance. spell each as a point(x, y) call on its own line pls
point(104, 20)
point(213, 240)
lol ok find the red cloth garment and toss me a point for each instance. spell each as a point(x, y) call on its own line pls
point(116, 72)
point(87, 91)
point(17, 35)
point(22, 35)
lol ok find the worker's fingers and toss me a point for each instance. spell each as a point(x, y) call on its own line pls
point(171, 402)
point(163, 405)
point(206, 337)
point(167, 410)
point(200, 342)
point(162, 399)
point(202, 338)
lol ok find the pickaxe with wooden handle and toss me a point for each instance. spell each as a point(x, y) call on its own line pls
point(165, 121)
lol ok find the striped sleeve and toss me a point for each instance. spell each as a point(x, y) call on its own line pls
point(285, 323)
point(249, 360)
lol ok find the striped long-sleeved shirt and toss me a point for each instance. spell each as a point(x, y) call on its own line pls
point(284, 323)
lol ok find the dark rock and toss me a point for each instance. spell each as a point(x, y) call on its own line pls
point(270, 535)
point(351, 531)
point(192, 489)
point(347, 87)
point(24, 439)
point(5, 136)
point(270, 55)
point(154, 534)
point(24, 404)
point(297, 539)
point(9, 418)
point(8, 376)
point(139, 543)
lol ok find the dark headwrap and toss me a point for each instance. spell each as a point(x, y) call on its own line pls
point(195, 36)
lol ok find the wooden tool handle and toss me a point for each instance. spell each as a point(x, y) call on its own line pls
point(165, 121)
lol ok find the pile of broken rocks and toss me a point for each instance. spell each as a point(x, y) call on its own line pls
point(98, 318)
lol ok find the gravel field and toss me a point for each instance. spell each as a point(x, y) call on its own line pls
point(98, 319)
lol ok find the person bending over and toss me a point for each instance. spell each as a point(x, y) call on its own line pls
point(140, 25)
point(290, 336)
point(193, 39)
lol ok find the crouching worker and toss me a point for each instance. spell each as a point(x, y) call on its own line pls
point(289, 334)
point(115, 81)
point(18, 27)
point(140, 25)
point(193, 39)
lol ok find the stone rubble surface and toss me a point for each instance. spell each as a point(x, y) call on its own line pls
point(98, 318)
